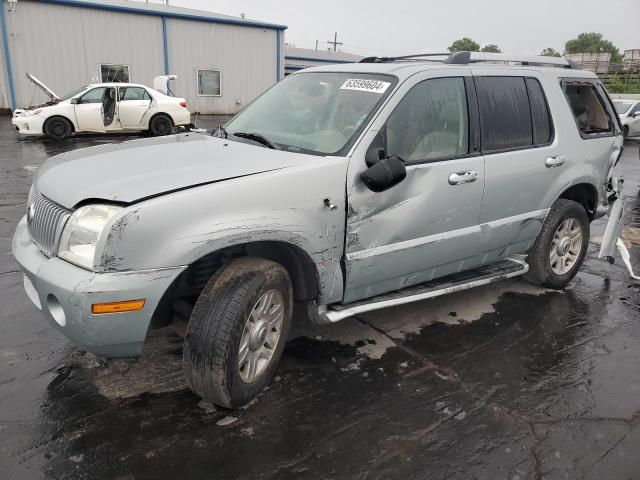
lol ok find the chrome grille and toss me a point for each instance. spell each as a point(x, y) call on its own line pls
point(45, 220)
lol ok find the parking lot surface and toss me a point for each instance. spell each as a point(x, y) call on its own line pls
point(509, 381)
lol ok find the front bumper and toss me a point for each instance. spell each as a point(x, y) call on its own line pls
point(65, 293)
point(31, 125)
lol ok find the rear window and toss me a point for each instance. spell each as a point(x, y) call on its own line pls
point(588, 109)
point(505, 115)
point(621, 107)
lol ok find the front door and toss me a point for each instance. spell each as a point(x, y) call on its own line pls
point(427, 225)
point(133, 104)
point(89, 110)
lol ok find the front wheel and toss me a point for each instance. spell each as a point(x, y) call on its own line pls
point(559, 250)
point(237, 331)
point(58, 128)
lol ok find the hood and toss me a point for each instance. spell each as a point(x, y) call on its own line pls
point(139, 169)
point(44, 88)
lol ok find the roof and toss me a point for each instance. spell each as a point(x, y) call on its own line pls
point(168, 11)
point(309, 54)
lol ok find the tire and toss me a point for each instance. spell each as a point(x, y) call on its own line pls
point(58, 128)
point(226, 321)
point(548, 265)
point(161, 125)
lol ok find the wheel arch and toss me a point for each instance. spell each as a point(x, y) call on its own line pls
point(585, 194)
point(304, 275)
point(158, 114)
point(54, 116)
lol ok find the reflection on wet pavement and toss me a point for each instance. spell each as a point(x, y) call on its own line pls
point(505, 381)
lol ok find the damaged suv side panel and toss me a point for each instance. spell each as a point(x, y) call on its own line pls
point(176, 230)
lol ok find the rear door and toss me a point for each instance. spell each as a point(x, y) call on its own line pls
point(133, 104)
point(427, 225)
point(523, 159)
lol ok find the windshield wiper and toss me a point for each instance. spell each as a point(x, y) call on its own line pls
point(256, 137)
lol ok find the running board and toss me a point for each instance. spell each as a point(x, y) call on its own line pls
point(457, 282)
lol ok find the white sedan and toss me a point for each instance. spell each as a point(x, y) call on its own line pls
point(629, 113)
point(102, 107)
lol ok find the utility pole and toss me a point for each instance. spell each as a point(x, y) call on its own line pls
point(335, 42)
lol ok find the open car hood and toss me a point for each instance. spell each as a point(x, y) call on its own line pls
point(43, 87)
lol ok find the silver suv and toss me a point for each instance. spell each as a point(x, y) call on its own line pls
point(342, 189)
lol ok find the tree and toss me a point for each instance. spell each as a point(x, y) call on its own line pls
point(593, 42)
point(464, 45)
point(550, 52)
point(491, 48)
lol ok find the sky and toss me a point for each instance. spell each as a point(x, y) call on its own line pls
point(384, 27)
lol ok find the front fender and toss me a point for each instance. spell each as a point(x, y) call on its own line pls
point(281, 206)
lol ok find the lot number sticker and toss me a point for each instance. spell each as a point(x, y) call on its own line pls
point(363, 85)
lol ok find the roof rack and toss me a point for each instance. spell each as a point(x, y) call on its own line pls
point(466, 58)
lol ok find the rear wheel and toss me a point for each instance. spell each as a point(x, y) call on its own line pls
point(559, 250)
point(161, 125)
point(237, 331)
point(58, 128)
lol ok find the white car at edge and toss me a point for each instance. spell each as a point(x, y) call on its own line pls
point(102, 107)
point(629, 113)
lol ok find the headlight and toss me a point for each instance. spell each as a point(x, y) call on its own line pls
point(82, 233)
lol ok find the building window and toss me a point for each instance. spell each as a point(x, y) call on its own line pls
point(209, 83)
point(112, 72)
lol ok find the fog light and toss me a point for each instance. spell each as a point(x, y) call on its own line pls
point(56, 310)
point(117, 307)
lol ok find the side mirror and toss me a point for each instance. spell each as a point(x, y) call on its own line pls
point(74, 101)
point(384, 174)
point(637, 114)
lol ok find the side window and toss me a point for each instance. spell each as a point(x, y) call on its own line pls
point(505, 115)
point(635, 109)
point(93, 96)
point(588, 109)
point(540, 116)
point(133, 93)
point(430, 122)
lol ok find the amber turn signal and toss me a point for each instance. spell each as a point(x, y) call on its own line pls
point(117, 307)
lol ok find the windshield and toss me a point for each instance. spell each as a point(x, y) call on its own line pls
point(621, 107)
point(316, 112)
point(74, 93)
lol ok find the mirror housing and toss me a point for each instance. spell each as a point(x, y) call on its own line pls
point(74, 101)
point(384, 174)
point(637, 114)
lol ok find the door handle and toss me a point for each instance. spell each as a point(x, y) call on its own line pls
point(457, 178)
point(554, 161)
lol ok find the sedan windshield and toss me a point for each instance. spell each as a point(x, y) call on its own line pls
point(621, 107)
point(74, 93)
point(316, 112)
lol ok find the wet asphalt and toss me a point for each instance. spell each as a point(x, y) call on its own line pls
point(507, 381)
